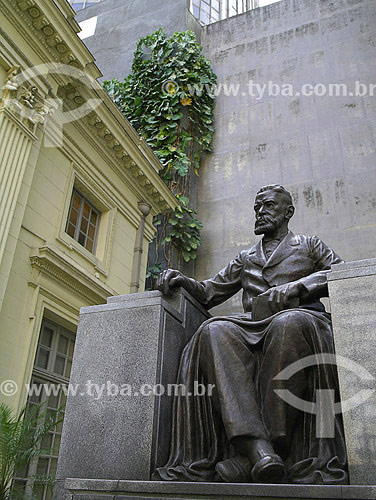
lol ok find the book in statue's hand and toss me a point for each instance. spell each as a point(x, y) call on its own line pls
point(261, 307)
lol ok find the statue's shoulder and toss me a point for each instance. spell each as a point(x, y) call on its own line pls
point(310, 242)
point(306, 239)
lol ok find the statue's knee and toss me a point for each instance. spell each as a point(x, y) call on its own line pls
point(287, 324)
point(214, 331)
point(288, 318)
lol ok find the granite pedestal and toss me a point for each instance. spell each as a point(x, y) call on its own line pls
point(352, 292)
point(114, 437)
point(115, 427)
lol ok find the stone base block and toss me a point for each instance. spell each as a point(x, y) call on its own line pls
point(80, 489)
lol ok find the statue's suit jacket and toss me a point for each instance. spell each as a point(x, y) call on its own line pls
point(298, 258)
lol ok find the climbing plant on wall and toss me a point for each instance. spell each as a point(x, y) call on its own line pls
point(168, 99)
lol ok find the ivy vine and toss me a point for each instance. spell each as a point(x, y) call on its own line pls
point(167, 98)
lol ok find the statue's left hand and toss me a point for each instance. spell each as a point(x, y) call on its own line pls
point(279, 296)
point(168, 279)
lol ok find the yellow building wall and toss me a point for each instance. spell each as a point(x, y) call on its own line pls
point(44, 273)
point(43, 223)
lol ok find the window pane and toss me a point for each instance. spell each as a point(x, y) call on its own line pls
point(49, 493)
point(21, 471)
point(68, 369)
point(43, 356)
point(91, 232)
point(35, 398)
point(38, 489)
point(205, 7)
point(86, 211)
point(71, 349)
point(204, 17)
point(81, 239)
point(20, 484)
point(53, 401)
point(56, 446)
point(46, 338)
point(73, 217)
point(59, 365)
point(71, 230)
point(46, 443)
point(76, 201)
point(84, 223)
point(93, 217)
point(78, 5)
point(42, 466)
point(53, 465)
point(89, 245)
point(63, 344)
point(59, 427)
point(63, 399)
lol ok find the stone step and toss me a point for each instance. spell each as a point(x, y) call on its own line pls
point(101, 489)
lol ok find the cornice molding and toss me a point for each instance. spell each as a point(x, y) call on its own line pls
point(56, 31)
point(127, 152)
point(57, 266)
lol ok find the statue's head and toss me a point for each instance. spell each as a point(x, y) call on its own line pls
point(273, 209)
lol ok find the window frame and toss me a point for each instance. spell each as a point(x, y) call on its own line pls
point(77, 231)
point(48, 376)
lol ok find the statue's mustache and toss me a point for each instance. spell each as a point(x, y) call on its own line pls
point(265, 220)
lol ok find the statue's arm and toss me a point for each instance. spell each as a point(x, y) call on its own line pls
point(209, 292)
point(312, 286)
point(315, 285)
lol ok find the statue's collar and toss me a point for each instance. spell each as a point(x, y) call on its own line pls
point(283, 250)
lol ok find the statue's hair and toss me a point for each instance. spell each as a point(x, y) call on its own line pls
point(277, 188)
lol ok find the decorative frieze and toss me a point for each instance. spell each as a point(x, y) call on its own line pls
point(54, 264)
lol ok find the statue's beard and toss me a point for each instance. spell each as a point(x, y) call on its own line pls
point(267, 225)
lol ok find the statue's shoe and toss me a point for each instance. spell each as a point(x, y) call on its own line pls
point(270, 469)
point(235, 470)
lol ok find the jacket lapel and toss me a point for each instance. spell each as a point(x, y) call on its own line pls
point(256, 254)
point(284, 249)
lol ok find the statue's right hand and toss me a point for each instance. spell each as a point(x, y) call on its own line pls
point(168, 279)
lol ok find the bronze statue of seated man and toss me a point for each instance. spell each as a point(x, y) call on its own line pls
point(244, 431)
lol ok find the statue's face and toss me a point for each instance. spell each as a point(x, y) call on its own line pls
point(270, 211)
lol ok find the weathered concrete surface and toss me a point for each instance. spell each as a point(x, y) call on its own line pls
point(321, 148)
point(115, 427)
point(121, 23)
point(352, 288)
point(111, 490)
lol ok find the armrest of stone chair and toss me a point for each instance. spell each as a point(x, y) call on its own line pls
point(127, 351)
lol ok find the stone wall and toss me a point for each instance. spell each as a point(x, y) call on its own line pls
point(321, 148)
point(121, 23)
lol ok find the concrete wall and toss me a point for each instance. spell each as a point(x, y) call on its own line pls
point(121, 23)
point(321, 148)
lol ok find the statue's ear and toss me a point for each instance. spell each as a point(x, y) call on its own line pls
point(289, 212)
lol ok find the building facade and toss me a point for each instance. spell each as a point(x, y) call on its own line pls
point(78, 192)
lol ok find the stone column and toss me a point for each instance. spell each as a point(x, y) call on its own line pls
point(19, 118)
point(352, 291)
point(15, 145)
point(123, 348)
